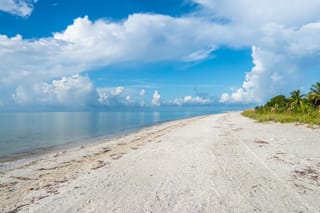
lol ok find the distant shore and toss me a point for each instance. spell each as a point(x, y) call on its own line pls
point(223, 162)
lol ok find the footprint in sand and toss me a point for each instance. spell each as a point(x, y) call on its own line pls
point(116, 156)
point(99, 164)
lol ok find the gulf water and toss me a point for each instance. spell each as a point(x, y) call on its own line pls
point(22, 133)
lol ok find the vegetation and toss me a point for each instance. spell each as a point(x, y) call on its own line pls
point(298, 107)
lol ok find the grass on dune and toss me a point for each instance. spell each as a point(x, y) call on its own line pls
point(298, 107)
point(284, 117)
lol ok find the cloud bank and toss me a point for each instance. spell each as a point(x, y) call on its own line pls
point(191, 100)
point(74, 91)
point(86, 45)
point(156, 99)
point(284, 41)
point(283, 57)
point(22, 8)
point(283, 37)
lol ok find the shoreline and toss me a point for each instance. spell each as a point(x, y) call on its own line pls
point(20, 160)
point(215, 162)
point(29, 155)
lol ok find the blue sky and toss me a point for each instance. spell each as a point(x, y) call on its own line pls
point(75, 54)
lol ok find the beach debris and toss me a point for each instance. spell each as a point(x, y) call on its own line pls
point(106, 149)
point(261, 142)
point(308, 172)
point(122, 144)
point(17, 208)
point(100, 164)
point(116, 156)
point(237, 129)
point(22, 178)
point(64, 164)
point(6, 185)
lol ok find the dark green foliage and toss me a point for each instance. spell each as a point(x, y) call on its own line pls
point(278, 103)
point(314, 95)
point(296, 100)
point(297, 108)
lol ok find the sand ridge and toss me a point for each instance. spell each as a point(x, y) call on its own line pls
point(216, 163)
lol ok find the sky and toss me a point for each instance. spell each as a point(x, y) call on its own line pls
point(77, 54)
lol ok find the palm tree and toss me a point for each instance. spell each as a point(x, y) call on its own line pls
point(314, 94)
point(296, 100)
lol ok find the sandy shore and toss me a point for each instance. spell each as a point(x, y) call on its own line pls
point(216, 163)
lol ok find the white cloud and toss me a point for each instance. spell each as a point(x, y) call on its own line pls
point(86, 45)
point(117, 91)
point(225, 97)
point(187, 100)
point(120, 96)
point(283, 57)
point(18, 7)
point(252, 13)
point(110, 42)
point(199, 55)
point(156, 99)
point(142, 92)
point(73, 91)
point(284, 37)
point(20, 96)
point(103, 95)
point(110, 96)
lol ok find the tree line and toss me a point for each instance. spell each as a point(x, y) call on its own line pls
point(296, 102)
point(298, 107)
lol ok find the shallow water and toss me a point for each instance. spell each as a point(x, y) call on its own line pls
point(23, 133)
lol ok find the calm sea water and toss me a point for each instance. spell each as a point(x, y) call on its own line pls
point(23, 133)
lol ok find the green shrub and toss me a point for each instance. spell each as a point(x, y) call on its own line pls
point(297, 108)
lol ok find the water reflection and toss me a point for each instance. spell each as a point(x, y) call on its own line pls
point(24, 132)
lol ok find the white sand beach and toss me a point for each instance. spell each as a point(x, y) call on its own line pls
point(215, 163)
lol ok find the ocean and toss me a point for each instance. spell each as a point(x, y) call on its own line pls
point(24, 133)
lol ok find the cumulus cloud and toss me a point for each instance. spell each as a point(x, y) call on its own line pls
point(280, 62)
point(190, 100)
point(225, 98)
point(18, 7)
point(257, 13)
point(120, 96)
point(142, 92)
point(283, 36)
point(86, 45)
point(117, 91)
point(174, 38)
point(156, 98)
point(20, 96)
point(73, 91)
point(128, 98)
point(110, 96)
